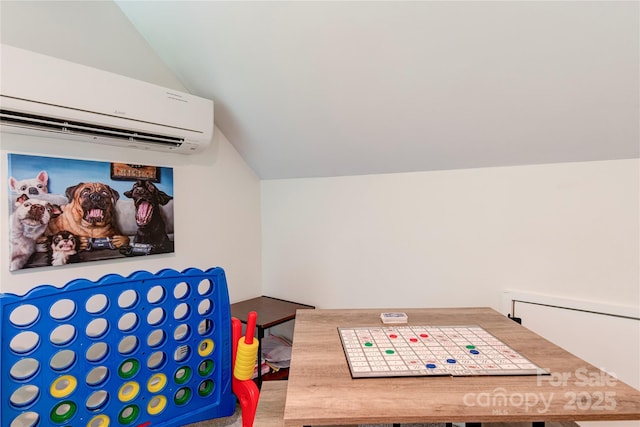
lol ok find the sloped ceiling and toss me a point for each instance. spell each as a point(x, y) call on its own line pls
point(331, 88)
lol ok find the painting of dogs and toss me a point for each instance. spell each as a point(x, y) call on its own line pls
point(90, 214)
point(28, 223)
point(72, 211)
point(151, 230)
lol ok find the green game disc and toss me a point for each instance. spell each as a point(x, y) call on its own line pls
point(205, 367)
point(205, 388)
point(63, 411)
point(128, 369)
point(128, 415)
point(182, 396)
point(182, 375)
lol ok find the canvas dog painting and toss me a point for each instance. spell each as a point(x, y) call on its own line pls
point(70, 211)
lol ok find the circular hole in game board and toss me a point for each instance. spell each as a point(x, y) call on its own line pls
point(205, 327)
point(24, 369)
point(156, 360)
point(205, 287)
point(24, 315)
point(205, 307)
point(62, 309)
point(96, 304)
point(181, 290)
point(63, 412)
point(156, 294)
point(97, 376)
point(205, 368)
point(128, 344)
point(97, 352)
point(127, 299)
point(128, 414)
point(182, 353)
point(182, 375)
point(156, 338)
point(62, 360)
point(128, 369)
point(24, 342)
point(97, 400)
point(182, 396)
point(181, 332)
point(97, 328)
point(181, 311)
point(156, 316)
point(26, 419)
point(128, 322)
point(62, 335)
point(24, 396)
point(205, 388)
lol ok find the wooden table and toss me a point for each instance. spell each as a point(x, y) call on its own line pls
point(271, 312)
point(322, 392)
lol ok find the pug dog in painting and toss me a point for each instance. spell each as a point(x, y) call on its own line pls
point(90, 214)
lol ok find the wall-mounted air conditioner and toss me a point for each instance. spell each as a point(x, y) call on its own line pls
point(45, 96)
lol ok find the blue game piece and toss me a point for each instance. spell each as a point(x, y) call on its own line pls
point(474, 352)
point(452, 361)
point(431, 365)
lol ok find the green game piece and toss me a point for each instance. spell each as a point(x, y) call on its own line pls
point(471, 347)
point(128, 414)
point(389, 351)
point(368, 344)
point(63, 411)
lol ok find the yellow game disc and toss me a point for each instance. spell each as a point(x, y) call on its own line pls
point(99, 421)
point(63, 386)
point(206, 347)
point(128, 391)
point(156, 405)
point(157, 383)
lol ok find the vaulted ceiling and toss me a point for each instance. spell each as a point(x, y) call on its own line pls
point(330, 88)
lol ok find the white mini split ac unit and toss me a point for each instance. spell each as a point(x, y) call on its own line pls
point(45, 96)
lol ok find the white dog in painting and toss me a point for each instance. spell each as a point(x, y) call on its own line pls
point(32, 187)
point(28, 223)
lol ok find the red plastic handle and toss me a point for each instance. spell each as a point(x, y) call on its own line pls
point(251, 327)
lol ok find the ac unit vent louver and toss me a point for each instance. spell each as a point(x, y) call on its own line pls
point(33, 121)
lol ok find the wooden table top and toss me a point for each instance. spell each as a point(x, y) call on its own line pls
point(321, 390)
point(271, 311)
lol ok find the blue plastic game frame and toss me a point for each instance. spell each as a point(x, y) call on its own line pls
point(94, 353)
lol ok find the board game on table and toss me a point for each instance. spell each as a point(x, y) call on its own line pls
point(395, 351)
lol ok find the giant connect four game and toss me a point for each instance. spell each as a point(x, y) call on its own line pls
point(145, 350)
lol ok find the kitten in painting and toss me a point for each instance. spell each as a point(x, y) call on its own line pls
point(64, 248)
point(28, 223)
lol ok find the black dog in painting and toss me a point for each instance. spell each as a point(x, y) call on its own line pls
point(151, 226)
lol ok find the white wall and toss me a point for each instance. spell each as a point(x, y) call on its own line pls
point(217, 196)
point(455, 238)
